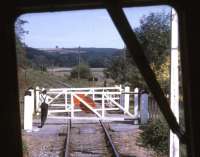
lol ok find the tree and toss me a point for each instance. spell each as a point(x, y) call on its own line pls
point(21, 57)
point(154, 37)
point(122, 70)
point(82, 69)
point(21, 53)
point(41, 62)
point(19, 30)
point(163, 74)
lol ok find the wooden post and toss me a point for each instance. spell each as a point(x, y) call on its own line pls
point(174, 83)
point(126, 99)
point(32, 99)
point(28, 110)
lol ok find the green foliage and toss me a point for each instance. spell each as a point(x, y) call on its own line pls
point(155, 136)
point(154, 37)
point(82, 71)
point(163, 73)
point(19, 30)
point(123, 71)
point(21, 55)
point(24, 148)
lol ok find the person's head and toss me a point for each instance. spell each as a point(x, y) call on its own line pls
point(44, 91)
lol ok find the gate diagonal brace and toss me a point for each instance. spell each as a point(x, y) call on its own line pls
point(87, 105)
point(131, 115)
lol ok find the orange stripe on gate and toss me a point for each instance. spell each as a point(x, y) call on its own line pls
point(87, 99)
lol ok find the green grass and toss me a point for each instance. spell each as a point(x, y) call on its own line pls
point(24, 149)
point(43, 79)
point(79, 83)
point(32, 78)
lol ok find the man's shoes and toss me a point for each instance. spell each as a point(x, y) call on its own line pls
point(40, 126)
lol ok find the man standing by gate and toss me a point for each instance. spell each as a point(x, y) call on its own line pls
point(44, 108)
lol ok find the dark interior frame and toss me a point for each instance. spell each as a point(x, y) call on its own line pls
point(10, 126)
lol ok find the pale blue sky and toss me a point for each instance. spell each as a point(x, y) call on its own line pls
point(88, 28)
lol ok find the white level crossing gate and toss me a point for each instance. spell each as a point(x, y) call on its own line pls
point(100, 103)
point(104, 103)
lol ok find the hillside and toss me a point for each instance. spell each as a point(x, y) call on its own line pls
point(29, 58)
point(31, 78)
point(68, 57)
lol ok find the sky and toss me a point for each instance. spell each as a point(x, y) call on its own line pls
point(87, 28)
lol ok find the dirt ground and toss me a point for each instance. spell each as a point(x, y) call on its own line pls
point(45, 142)
point(49, 140)
point(127, 145)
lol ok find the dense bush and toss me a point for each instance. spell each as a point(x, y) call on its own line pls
point(156, 136)
point(82, 70)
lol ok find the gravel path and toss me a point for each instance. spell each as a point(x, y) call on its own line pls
point(124, 137)
point(47, 141)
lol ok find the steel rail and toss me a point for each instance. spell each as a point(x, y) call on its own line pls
point(67, 140)
point(114, 150)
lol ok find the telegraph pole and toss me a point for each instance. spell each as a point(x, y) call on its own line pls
point(79, 63)
point(124, 60)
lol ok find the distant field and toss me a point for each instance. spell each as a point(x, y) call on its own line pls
point(97, 72)
point(69, 69)
point(59, 69)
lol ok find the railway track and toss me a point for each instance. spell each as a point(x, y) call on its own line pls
point(86, 140)
point(107, 135)
point(67, 140)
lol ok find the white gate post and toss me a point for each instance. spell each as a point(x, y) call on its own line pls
point(28, 113)
point(136, 107)
point(103, 105)
point(174, 93)
point(32, 99)
point(93, 95)
point(66, 105)
point(72, 105)
point(126, 99)
point(144, 113)
point(37, 99)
